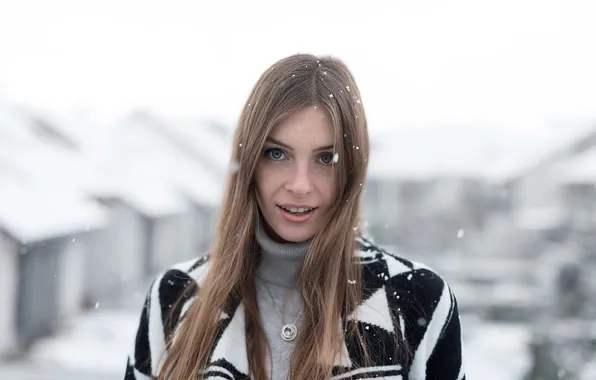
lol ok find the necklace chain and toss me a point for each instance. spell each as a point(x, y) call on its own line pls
point(288, 330)
point(277, 309)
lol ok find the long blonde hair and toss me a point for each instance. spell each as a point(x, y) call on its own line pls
point(289, 85)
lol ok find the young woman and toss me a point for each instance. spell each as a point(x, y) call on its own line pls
point(291, 288)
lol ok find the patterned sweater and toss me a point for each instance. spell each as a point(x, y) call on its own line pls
point(400, 298)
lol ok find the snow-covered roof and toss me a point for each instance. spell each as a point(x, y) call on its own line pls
point(126, 159)
point(492, 154)
point(39, 153)
point(117, 159)
point(38, 183)
point(34, 214)
point(547, 149)
point(152, 198)
point(209, 141)
point(135, 154)
point(580, 169)
point(443, 152)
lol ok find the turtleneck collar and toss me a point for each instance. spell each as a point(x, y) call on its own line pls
point(279, 261)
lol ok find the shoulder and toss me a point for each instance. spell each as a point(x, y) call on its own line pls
point(194, 270)
point(423, 306)
point(395, 266)
point(168, 297)
point(179, 279)
point(414, 289)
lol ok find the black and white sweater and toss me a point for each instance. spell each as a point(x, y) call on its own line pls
point(395, 289)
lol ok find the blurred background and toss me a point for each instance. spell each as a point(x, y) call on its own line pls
point(116, 120)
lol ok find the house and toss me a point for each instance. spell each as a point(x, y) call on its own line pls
point(205, 146)
point(43, 239)
point(578, 179)
point(426, 188)
point(175, 157)
point(538, 204)
point(9, 265)
point(43, 225)
point(159, 201)
point(207, 141)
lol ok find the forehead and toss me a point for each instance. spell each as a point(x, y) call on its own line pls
point(309, 126)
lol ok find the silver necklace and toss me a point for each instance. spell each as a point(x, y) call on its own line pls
point(288, 330)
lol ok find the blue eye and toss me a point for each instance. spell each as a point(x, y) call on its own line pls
point(274, 154)
point(326, 158)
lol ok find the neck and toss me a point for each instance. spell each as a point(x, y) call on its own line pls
point(280, 262)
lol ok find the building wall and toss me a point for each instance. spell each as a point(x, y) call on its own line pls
point(9, 253)
point(116, 255)
point(73, 275)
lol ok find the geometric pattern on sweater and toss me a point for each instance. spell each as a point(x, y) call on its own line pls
point(401, 298)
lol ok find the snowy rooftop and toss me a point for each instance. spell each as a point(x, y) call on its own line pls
point(38, 182)
point(580, 169)
point(35, 214)
point(492, 154)
point(143, 152)
point(550, 147)
point(444, 152)
point(125, 159)
point(209, 140)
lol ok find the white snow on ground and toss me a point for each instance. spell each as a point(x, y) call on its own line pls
point(495, 351)
point(99, 342)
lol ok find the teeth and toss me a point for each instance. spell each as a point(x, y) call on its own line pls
point(297, 210)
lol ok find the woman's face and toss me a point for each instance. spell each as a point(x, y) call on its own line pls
point(294, 176)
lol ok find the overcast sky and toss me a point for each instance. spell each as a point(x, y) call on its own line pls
point(508, 64)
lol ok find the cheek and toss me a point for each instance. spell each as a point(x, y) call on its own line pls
point(264, 179)
point(327, 187)
point(259, 178)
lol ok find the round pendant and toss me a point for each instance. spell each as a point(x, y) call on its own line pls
point(289, 332)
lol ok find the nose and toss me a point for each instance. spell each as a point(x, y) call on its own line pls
point(300, 182)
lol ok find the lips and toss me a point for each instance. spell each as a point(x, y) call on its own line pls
point(297, 213)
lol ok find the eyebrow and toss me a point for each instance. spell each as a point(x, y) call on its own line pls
point(272, 140)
